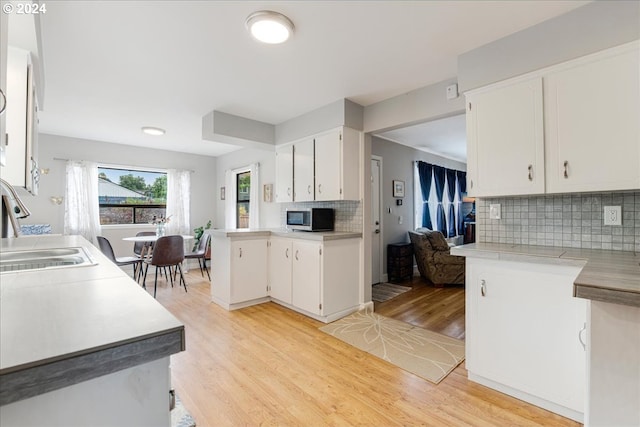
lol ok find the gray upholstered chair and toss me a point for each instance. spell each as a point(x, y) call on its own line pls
point(435, 262)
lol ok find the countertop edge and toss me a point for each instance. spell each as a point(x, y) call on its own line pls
point(43, 378)
point(607, 291)
point(302, 235)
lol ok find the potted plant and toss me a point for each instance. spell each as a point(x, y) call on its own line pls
point(198, 232)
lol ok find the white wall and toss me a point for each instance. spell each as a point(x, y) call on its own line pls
point(269, 212)
point(203, 201)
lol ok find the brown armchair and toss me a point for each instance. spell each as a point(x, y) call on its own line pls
point(435, 263)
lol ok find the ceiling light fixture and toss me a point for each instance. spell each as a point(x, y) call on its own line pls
point(269, 27)
point(150, 130)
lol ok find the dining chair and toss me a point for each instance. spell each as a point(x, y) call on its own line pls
point(142, 249)
point(168, 251)
point(200, 254)
point(107, 249)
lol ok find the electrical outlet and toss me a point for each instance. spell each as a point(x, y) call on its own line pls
point(400, 219)
point(612, 215)
point(494, 211)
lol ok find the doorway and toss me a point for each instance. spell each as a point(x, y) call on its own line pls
point(376, 220)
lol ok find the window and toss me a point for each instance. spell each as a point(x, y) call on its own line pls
point(130, 196)
point(243, 186)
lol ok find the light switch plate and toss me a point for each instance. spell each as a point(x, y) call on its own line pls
point(494, 211)
point(612, 215)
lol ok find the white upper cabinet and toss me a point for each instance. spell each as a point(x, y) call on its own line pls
point(505, 140)
point(284, 173)
point(21, 168)
point(593, 124)
point(568, 128)
point(303, 173)
point(325, 166)
point(338, 165)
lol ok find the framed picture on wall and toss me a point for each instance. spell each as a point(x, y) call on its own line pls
point(268, 193)
point(398, 188)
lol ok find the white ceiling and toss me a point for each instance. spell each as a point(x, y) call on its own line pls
point(112, 67)
point(444, 137)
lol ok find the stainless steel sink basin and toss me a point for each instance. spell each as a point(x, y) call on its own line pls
point(39, 259)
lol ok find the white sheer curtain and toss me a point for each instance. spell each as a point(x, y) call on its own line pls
point(254, 196)
point(231, 190)
point(81, 206)
point(230, 200)
point(178, 201)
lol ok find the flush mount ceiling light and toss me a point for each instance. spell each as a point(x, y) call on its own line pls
point(269, 27)
point(149, 130)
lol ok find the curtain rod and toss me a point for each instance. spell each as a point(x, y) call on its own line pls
point(111, 165)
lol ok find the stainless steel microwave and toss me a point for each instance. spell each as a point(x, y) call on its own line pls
point(312, 219)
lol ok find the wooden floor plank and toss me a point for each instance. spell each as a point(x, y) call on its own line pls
point(267, 365)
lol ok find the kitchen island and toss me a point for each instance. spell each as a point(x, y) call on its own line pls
point(574, 314)
point(82, 345)
point(314, 273)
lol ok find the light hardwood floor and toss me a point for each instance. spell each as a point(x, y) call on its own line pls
point(269, 366)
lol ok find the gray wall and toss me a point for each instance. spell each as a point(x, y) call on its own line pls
point(588, 29)
point(397, 163)
point(566, 220)
point(53, 184)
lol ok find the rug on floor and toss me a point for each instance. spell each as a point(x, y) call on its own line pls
point(427, 354)
point(385, 291)
point(180, 417)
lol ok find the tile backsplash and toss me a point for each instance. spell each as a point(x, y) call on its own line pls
point(565, 220)
point(348, 213)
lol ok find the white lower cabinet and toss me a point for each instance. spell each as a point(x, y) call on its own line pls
point(239, 276)
point(317, 278)
point(280, 256)
point(307, 259)
point(522, 333)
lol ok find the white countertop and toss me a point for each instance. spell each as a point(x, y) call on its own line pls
point(55, 314)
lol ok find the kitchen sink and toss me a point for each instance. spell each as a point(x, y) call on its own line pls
point(40, 259)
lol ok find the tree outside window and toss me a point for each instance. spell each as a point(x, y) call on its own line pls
point(243, 185)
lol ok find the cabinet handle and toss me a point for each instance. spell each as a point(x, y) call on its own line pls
point(289, 191)
point(297, 255)
point(470, 183)
point(584, 345)
point(286, 253)
point(4, 102)
point(309, 188)
point(530, 172)
point(483, 288)
point(566, 169)
point(240, 252)
point(319, 188)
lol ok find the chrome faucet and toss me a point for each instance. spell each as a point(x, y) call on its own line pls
point(12, 209)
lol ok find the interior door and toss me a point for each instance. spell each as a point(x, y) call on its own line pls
point(376, 239)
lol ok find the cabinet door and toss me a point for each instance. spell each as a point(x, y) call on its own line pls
point(306, 276)
point(523, 329)
point(248, 270)
point(505, 140)
point(593, 125)
point(280, 256)
point(284, 173)
point(4, 34)
point(329, 166)
point(303, 167)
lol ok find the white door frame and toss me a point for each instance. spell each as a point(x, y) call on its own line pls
point(380, 216)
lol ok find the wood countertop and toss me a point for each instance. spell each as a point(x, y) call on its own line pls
point(608, 276)
point(62, 326)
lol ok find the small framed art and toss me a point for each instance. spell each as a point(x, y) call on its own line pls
point(398, 188)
